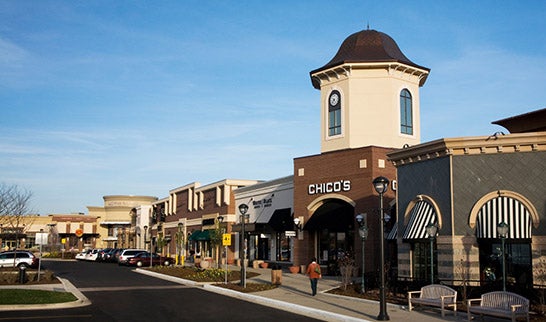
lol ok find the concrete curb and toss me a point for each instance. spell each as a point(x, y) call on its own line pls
point(67, 287)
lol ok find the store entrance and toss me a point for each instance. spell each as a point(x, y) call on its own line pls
point(333, 227)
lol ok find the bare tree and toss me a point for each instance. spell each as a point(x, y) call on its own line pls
point(14, 207)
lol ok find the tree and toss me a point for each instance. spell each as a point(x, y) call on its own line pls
point(14, 208)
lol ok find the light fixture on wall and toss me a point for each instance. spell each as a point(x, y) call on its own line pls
point(298, 221)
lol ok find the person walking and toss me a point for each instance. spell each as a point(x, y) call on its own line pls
point(313, 270)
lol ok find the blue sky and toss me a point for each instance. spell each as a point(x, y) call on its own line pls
point(140, 97)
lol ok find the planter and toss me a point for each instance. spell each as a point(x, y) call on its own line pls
point(264, 265)
point(294, 269)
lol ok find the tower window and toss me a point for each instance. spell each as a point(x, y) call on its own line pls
point(406, 112)
point(334, 113)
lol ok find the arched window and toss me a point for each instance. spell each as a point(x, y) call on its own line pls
point(406, 113)
point(334, 113)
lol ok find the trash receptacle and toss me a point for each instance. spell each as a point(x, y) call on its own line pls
point(22, 274)
point(276, 275)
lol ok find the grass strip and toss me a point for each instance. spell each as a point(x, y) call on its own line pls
point(22, 296)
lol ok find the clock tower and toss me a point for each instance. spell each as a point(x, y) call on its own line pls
point(369, 94)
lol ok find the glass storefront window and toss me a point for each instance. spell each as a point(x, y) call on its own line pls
point(518, 262)
point(421, 260)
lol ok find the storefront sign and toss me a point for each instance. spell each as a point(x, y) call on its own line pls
point(329, 187)
point(265, 202)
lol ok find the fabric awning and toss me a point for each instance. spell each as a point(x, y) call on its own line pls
point(503, 209)
point(115, 223)
point(200, 235)
point(422, 214)
point(282, 220)
point(393, 233)
point(194, 235)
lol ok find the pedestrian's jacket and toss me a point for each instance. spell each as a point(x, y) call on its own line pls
point(313, 270)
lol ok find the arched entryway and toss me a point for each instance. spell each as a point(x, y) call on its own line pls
point(519, 215)
point(332, 226)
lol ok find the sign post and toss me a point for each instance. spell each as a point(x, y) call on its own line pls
point(41, 238)
point(226, 241)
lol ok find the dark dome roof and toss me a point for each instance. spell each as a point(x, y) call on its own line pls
point(368, 46)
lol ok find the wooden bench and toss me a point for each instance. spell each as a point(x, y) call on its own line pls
point(500, 304)
point(434, 295)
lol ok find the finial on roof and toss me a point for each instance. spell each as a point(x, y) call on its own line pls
point(368, 25)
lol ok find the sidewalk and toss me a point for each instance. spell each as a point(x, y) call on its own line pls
point(294, 295)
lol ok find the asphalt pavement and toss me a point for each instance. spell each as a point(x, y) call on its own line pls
point(293, 295)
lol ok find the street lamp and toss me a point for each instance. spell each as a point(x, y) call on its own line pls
point(243, 208)
point(220, 221)
point(180, 240)
point(381, 184)
point(145, 237)
point(502, 231)
point(431, 229)
point(363, 232)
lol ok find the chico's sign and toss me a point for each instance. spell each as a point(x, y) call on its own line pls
point(329, 187)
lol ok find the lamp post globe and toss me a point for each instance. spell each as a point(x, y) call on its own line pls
point(381, 184)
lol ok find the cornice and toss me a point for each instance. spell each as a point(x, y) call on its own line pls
point(345, 70)
point(476, 145)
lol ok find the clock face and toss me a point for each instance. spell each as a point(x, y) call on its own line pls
point(334, 99)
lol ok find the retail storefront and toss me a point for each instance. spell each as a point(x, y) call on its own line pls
point(330, 190)
point(470, 188)
point(270, 226)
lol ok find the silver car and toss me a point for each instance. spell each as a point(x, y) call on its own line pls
point(19, 259)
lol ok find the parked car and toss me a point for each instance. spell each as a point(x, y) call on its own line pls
point(128, 253)
point(143, 259)
point(92, 255)
point(103, 253)
point(19, 259)
point(81, 255)
point(110, 255)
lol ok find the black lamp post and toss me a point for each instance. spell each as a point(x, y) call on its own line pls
point(243, 208)
point(363, 232)
point(431, 229)
point(502, 231)
point(381, 184)
point(145, 237)
point(220, 221)
point(180, 241)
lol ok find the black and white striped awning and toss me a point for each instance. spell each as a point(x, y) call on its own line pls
point(422, 214)
point(503, 209)
point(393, 233)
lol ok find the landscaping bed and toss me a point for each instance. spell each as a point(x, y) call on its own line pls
point(215, 276)
point(10, 276)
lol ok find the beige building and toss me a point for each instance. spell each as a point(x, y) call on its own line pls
point(116, 225)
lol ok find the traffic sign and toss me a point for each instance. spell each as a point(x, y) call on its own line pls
point(226, 240)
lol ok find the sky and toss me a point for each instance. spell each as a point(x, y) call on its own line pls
point(141, 97)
